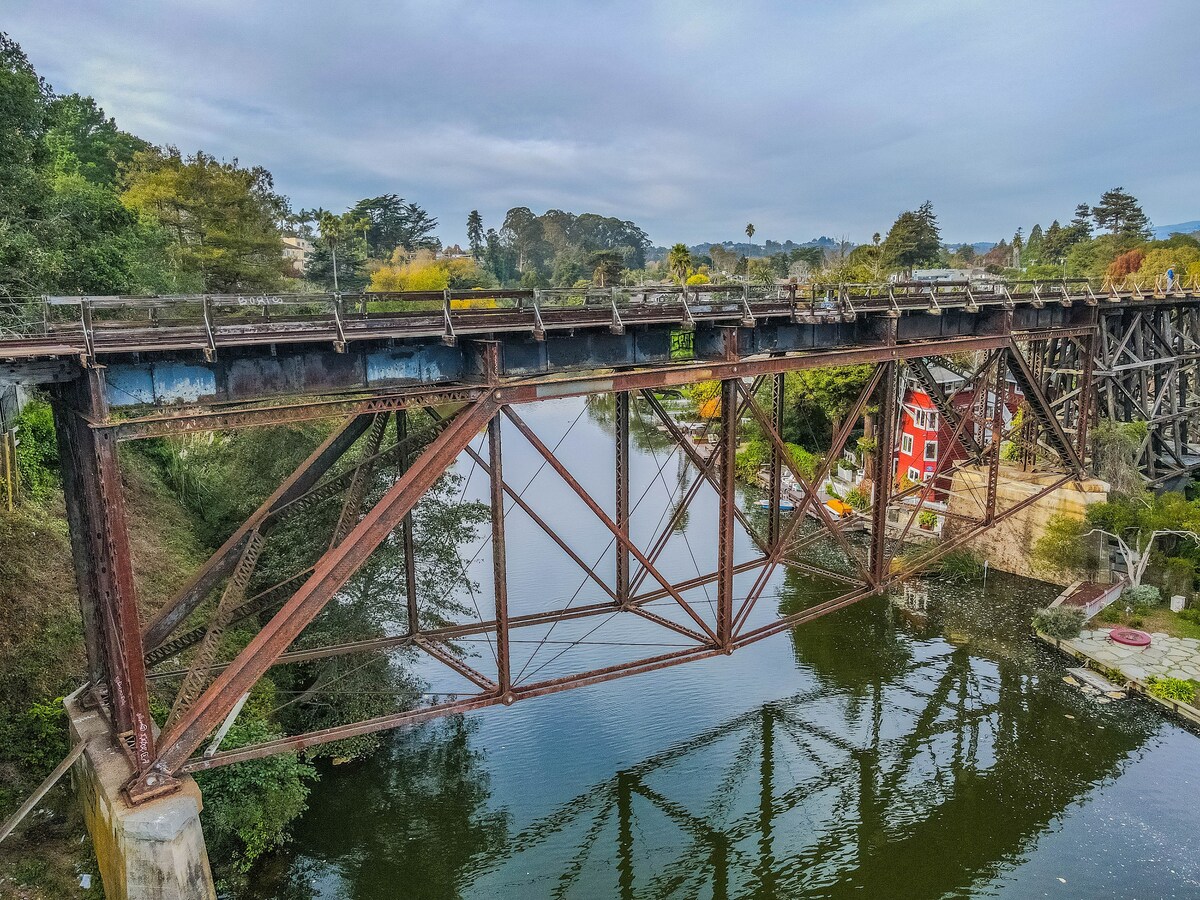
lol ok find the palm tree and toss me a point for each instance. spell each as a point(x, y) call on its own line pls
point(750, 232)
point(679, 262)
point(334, 229)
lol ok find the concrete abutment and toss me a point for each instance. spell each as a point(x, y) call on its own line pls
point(154, 851)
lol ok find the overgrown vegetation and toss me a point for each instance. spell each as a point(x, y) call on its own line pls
point(1181, 690)
point(1062, 622)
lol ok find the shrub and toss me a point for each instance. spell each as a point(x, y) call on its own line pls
point(1062, 622)
point(751, 459)
point(41, 734)
point(927, 519)
point(961, 566)
point(248, 808)
point(1142, 595)
point(1181, 690)
point(856, 498)
point(805, 461)
point(37, 451)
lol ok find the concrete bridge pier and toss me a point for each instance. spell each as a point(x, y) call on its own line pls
point(154, 851)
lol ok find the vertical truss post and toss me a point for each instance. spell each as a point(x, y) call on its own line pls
point(100, 547)
point(884, 454)
point(1087, 348)
point(775, 487)
point(406, 527)
point(1000, 386)
point(622, 479)
point(65, 423)
point(499, 560)
point(727, 448)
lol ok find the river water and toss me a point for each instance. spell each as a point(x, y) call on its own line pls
point(916, 746)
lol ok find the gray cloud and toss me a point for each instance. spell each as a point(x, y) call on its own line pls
point(689, 118)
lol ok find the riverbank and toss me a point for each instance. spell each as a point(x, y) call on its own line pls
point(1140, 669)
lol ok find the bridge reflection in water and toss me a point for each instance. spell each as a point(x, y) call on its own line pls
point(911, 765)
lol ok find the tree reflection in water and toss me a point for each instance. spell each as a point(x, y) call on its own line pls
point(919, 773)
point(428, 791)
point(930, 749)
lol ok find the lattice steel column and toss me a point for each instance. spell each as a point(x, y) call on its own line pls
point(406, 527)
point(622, 479)
point(775, 487)
point(103, 563)
point(885, 453)
point(727, 448)
point(499, 558)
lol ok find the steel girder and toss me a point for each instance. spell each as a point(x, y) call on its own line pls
point(213, 689)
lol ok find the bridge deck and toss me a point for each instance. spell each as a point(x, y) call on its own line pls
point(97, 326)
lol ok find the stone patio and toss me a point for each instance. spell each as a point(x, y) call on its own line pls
point(1166, 657)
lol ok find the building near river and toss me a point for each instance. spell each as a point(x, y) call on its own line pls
point(296, 251)
point(927, 440)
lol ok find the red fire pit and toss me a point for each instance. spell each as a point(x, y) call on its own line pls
point(1130, 637)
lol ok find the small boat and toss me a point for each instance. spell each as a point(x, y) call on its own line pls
point(785, 504)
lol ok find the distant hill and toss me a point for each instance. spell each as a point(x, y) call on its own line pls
point(1162, 232)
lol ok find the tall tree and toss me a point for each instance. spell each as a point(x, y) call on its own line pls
point(224, 218)
point(340, 251)
point(82, 140)
point(750, 232)
point(1119, 212)
point(1082, 223)
point(393, 223)
point(607, 267)
point(475, 234)
point(914, 239)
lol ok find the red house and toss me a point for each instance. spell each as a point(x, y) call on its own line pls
point(926, 440)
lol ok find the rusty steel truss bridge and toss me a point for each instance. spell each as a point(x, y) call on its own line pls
point(414, 379)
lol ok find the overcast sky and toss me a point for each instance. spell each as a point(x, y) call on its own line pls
point(690, 118)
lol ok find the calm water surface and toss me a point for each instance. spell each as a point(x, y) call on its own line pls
point(916, 746)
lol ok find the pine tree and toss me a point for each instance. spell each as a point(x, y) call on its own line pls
point(475, 234)
point(913, 239)
point(1121, 214)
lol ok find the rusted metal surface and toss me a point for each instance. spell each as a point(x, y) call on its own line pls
point(104, 565)
point(775, 475)
point(499, 558)
point(404, 459)
point(726, 452)
point(574, 353)
point(177, 609)
point(621, 477)
point(338, 564)
point(884, 477)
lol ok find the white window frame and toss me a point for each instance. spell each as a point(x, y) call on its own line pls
point(925, 454)
point(914, 474)
point(906, 443)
